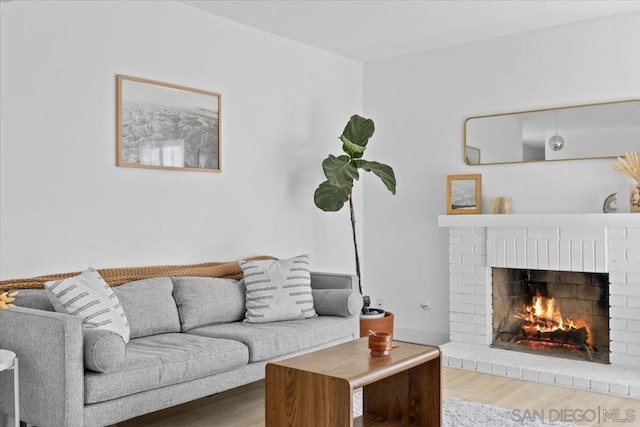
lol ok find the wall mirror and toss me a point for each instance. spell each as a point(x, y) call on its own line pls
point(565, 133)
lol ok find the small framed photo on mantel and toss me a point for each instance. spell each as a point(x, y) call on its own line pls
point(166, 126)
point(464, 194)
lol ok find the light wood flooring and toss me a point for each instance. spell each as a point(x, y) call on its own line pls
point(244, 406)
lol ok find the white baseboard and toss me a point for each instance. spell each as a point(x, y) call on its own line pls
point(420, 337)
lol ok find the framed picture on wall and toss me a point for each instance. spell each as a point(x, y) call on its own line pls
point(166, 126)
point(464, 194)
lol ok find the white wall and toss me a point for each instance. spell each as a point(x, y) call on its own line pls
point(64, 204)
point(420, 102)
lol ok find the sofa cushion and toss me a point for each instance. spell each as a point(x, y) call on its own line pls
point(278, 290)
point(205, 301)
point(269, 340)
point(90, 298)
point(34, 298)
point(160, 360)
point(149, 306)
point(103, 350)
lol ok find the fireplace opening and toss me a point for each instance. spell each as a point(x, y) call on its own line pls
point(556, 313)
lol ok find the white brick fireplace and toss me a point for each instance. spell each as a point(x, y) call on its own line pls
point(605, 243)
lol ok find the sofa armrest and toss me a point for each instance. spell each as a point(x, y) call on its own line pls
point(49, 348)
point(334, 281)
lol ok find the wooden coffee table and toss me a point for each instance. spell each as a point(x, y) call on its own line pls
point(316, 389)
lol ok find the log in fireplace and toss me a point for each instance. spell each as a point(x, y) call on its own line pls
point(564, 314)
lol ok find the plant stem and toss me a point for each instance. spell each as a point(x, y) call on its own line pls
point(355, 242)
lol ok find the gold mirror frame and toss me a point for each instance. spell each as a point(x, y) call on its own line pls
point(477, 154)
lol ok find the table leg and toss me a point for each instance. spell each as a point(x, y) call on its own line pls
point(301, 399)
point(16, 392)
point(411, 397)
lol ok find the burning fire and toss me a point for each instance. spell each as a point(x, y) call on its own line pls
point(544, 315)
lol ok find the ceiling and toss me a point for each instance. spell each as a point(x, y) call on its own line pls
point(373, 30)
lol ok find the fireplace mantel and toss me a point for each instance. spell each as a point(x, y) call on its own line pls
point(541, 220)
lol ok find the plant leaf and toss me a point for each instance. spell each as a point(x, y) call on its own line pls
point(340, 171)
point(352, 149)
point(359, 130)
point(384, 172)
point(330, 197)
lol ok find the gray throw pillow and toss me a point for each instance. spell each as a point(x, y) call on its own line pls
point(103, 350)
point(278, 290)
point(206, 301)
point(337, 302)
point(150, 306)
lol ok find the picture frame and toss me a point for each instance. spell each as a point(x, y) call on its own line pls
point(166, 126)
point(472, 155)
point(464, 194)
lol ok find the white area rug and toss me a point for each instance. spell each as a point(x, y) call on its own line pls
point(458, 413)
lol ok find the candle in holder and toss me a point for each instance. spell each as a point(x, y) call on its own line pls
point(501, 205)
point(380, 343)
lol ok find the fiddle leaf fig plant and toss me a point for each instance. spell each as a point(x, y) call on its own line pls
point(341, 171)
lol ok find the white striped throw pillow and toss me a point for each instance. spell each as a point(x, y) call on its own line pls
point(278, 290)
point(90, 298)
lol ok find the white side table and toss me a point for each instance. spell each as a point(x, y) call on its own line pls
point(9, 360)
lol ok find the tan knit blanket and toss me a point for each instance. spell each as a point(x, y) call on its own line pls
point(118, 276)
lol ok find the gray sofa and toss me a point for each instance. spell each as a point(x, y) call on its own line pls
point(188, 341)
